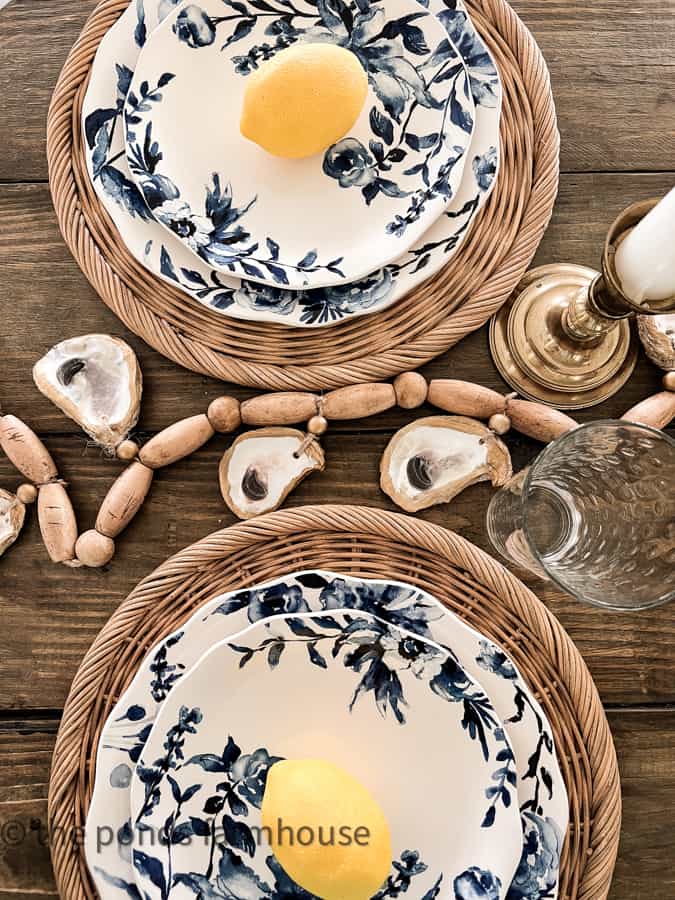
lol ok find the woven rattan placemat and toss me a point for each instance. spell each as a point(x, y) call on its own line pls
point(369, 543)
point(425, 323)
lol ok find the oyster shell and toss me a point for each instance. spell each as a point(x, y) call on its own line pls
point(95, 380)
point(12, 514)
point(262, 467)
point(657, 334)
point(432, 460)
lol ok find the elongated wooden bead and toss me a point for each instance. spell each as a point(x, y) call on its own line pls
point(177, 441)
point(465, 399)
point(124, 499)
point(57, 522)
point(26, 451)
point(657, 411)
point(284, 408)
point(538, 421)
point(358, 401)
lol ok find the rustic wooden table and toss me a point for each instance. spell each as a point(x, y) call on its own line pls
point(612, 64)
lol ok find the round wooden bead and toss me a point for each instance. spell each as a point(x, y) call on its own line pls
point(94, 549)
point(317, 425)
point(411, 390)
point(224, 414)
point(127, 450)
point(669, 381)
point(499, 423)
point(27, 493)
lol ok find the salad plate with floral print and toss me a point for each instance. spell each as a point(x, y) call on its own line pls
point(542, 796)
point(297, 223)
point(341, 686)
point(168, 257)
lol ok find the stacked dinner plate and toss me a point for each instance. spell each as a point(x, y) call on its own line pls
point(376, 677)
point(303, 242)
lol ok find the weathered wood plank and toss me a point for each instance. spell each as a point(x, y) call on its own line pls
point(51, 614)
point(46, 299)
point(645, 741)
point(611, 67)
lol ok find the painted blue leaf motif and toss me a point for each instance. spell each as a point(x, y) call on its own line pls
point(200, 828)
point(151, 868)
point(308, 260)
point(273, 248)
point(165, 79)
point(124, 76)
point(166, 267)
point(95, 122)
point(238, 835)
point(100, 154)
point(140, 32)
point(433, 892)
point(274, 654)
point(316, 657)
point(123, 192)
point(381, 125)
point(314, 580)
point(242, 29)
point(181, 833)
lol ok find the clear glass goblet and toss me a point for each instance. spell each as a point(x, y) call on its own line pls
point(595, 514)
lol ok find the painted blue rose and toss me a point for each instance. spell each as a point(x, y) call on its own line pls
point(477, 884)
point(485, 168)
point(264, 296)
point(537, 873)
point(249, 773)
point(493, 659)
point(349, 163)
point(280, 598)
point(194, 27)
point(360, 294)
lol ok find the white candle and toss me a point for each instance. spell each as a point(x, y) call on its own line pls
point(645, 259)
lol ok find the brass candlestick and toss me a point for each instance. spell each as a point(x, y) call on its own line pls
point(564, 336)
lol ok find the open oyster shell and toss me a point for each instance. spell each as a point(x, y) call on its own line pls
point(12, 515)
point(262, 467)
point(95, 380)
point(657, 334)
point(432, 460)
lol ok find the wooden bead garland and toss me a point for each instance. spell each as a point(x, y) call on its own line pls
point(225, 414)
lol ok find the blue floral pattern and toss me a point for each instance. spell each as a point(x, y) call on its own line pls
point(400, 158)
point(212, 796)
point(246, 299)
point(542, 799)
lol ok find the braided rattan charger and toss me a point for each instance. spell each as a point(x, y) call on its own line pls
point(425, 323)
point(370, 543)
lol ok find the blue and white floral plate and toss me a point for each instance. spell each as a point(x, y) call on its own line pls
point(390, 708)
point(298, 223)
point(542, 797)
point(166, 256)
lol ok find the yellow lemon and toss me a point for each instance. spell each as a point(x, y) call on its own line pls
point(326, 829)
point(303, 99)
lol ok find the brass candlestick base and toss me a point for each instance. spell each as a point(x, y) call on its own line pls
point(538, 358)
point(564, 337)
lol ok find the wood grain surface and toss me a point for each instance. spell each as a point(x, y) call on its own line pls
point(613, 66)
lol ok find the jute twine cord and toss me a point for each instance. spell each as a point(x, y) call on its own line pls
point(428, 321)
point(370, 543)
